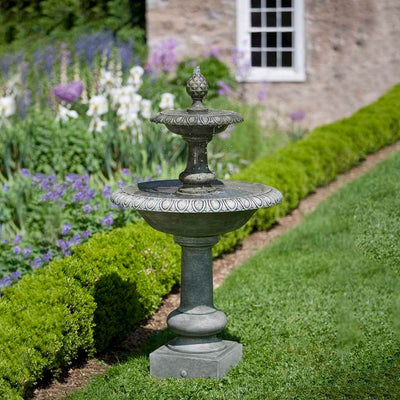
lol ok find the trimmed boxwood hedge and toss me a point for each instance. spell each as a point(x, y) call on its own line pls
point(85, 302)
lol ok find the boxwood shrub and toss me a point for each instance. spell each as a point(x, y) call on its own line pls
point(85, 302)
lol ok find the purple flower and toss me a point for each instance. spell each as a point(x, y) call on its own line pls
point(58, 191)
point(77, 238)
point(121, 184)
point(297, 115)
point(125, 171)
point(224, 89)
point(163, 58)
point(38, 177)
point(46, 256)
point(36, 263)
point(70, 92)
point(24, 172)
point(67, 253)
point(17, 238)
point(71, 177)
point(6, 281)
point(65, 229)
point(27, 251)
point(79, 184)
point(17, 250)
point(89, 195)
point(78, 196)
point(87, 208)
point(85, 177)
point(262, 95)
point(86, 234)
point(106, 191)
point(158, 169)
point(213, 52)
point(107, 220)
point(15, 275)
point(48, 196)
point(63, 244)
point(6, 188)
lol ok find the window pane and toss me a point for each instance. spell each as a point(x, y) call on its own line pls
point(271, 3)
point(286, 3)
point(286, 59)
point(287, 18)
point(256, 59)
point(256, 39)
point(255, 3)
point(271, 59)
point(271, 39)
point(271, 19)
point(286, 39)
point(256, 19)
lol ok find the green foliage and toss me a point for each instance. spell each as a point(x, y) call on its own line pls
point(117, 278)
point(45, 321)
point(211, 67)
point(318, 315)
point(84, 302)
point(23, 19)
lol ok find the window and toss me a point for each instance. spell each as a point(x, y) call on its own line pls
point(270, 35)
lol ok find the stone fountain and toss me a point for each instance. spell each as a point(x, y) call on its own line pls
point(196, 209)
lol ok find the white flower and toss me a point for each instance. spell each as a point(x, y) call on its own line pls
point(14, 85)
point(146, 108)
point(96, 124)
point(135, 77)
point(130, 120)
point(129, 104)
point(7, 106)
point(97, 106)
point(108, 81)
point(64, 114)
point(167, 101)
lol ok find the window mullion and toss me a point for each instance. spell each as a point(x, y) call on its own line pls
point(263, 44)
point(278, 34)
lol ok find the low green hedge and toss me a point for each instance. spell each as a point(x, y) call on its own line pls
point(85, 302)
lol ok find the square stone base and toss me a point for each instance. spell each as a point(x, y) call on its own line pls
point(167, 363)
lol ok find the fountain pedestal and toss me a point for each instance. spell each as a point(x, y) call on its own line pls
point(196, 209)
point(196, 352)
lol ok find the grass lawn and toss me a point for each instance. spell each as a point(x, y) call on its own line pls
point(318, 312)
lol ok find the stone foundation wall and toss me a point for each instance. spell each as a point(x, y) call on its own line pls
point(352, 54)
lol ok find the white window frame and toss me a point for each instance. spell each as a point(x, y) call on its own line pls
point(296, 73)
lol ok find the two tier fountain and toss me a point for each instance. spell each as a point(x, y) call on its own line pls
point(196, 209)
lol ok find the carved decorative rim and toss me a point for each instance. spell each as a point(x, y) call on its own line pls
point(184, 118)
point(251, 196)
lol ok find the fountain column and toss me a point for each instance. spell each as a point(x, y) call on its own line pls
point(196, 352)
